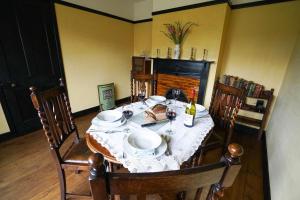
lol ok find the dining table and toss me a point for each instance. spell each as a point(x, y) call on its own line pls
point(176, 148)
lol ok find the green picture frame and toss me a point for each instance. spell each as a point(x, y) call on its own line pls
point(106, 94)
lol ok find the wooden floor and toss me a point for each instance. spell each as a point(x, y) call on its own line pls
point(27, 170)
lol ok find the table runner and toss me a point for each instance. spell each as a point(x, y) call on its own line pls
point(183, 143)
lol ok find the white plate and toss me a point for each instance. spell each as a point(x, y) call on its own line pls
point(144, 143)
point(109, 115)
point(97, 122)
point(158, 151)
point(202, 114)
point(157, 98)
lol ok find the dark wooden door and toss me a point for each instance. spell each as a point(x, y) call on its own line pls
point(29, 55)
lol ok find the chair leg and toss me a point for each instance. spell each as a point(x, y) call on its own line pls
point(227, 140)
point(62, 181)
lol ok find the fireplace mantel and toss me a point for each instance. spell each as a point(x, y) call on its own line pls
point(184, 68)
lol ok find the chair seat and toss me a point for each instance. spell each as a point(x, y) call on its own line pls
point(78, 154)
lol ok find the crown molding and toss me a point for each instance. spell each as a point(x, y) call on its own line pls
point(198, 5)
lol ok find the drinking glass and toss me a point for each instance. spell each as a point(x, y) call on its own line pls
point(141, 97)
point(171, 115)
point(127, 111)
point(175, 94)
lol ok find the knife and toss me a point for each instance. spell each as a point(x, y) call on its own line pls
point(155, 122)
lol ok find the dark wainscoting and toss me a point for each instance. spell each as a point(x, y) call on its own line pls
point(190, 68)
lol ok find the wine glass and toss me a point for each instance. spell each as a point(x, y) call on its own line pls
point(175, 94)
point(171, 115)
point(127, 111)
point(141, 97)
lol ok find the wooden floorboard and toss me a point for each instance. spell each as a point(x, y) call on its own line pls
point(28, 172)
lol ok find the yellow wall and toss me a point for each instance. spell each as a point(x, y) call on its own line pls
point(283, 135)
point(3, 124)
point(259, 42)
point(96, 50)
point(208, 35)
point(142, 38)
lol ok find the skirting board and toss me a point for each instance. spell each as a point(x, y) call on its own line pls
point(6, 136)
point(266, 178)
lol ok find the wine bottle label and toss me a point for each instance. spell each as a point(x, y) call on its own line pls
point(188, 120)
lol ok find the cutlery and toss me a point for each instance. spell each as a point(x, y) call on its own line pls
point(155, 122)
point(145, 103)
point(124, 155)
point(167, 140)
point(110, 131)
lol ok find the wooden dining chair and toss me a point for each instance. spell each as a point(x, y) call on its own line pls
point(54, 110)
point(142, 82)
point(224, 107)
point(205, 182)
point(225, 104)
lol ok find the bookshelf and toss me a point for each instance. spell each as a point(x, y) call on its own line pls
point(256, 114)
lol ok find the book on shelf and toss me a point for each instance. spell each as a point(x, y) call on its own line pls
point(258, 90)
point(252, 89)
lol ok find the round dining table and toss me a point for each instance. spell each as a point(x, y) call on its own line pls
point(184, 143)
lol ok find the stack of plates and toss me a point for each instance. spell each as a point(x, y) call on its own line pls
point(109, 118)
point(153, 100)
point(157, 99)
point(144, 144)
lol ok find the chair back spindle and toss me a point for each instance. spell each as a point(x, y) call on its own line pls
point(225, 104)
point(54, 110)
point(139, 82)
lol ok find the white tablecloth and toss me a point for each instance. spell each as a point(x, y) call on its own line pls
point(183, 143)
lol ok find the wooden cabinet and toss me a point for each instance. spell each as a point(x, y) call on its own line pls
point(141, 65)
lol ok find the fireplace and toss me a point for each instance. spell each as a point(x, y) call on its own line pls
point(181, 74)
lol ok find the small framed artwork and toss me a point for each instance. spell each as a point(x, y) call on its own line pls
point(106, 95)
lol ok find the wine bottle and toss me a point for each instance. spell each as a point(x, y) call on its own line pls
point(190, 111)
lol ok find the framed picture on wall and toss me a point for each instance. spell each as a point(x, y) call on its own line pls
point(106, 95)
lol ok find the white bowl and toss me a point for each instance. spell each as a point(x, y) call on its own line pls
point(144, 143)
point(109, 115)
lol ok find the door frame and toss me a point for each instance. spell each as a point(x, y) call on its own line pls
point(12, 132)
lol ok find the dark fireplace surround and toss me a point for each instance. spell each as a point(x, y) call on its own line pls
point(184, 68)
